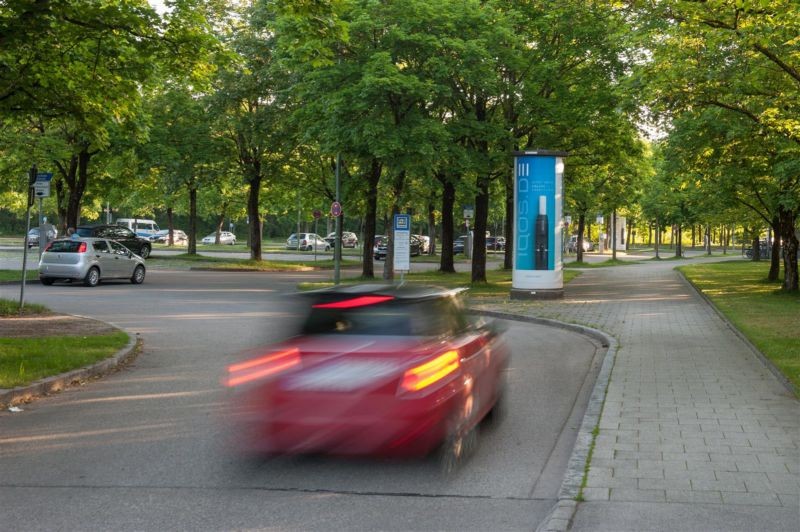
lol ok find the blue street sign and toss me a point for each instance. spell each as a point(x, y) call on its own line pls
point(402, 222)
point(44, 176)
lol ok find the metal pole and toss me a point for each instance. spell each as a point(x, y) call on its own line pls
point(42, 239)
point(31, 180)
point(315, 238)
point(337, 250)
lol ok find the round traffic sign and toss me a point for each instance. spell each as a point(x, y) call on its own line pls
point(336, 209)
point(317, 214)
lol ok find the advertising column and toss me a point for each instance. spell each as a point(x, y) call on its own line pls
point(538, 207)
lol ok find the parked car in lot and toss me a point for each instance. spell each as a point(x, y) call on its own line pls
point(376, 370)
point(90, 260)
point(33, 236)
point(496, 243)
point(308, 242)
point(572, 244)
point(379, 250)
point(225, 237)
point(459, 244)
point(179, 238)
point(349, 240)
point(123, 235)
point(425, 243)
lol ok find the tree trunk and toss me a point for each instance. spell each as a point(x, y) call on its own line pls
point(508, 256)
point(775, 256)
point(678, 238)
point(448, 200)
point(756, 248)
point(581, 229)
point(479, 237)
point(170, 227)
point(614, 234)
point(658, 238)
point(367, 265)
point(220, 221)
point(192, 220)
point(432, 228)
point(254, 183)
point(788, 221)
point(75, 177)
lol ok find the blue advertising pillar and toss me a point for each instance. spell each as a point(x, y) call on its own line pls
point(538, 210)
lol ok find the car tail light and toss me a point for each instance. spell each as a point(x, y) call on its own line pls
point(304, 243)
point(47, 248)
point(82, 247)
point(262, 367)
point(361, 301)
point(431, 372)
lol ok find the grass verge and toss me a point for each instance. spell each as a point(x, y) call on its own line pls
point(185, 261)
point(25, 360)
point(766, 315)
point(10, 307)
point(604, 264)
point(7, 276)
point(498, 282)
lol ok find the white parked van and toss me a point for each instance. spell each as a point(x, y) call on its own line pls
point(141, 226)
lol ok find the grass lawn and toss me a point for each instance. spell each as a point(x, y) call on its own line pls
point(768, 317)
point(10, 307)
point(25, 360)
point(16, 275)
point(498, 282)
point(185, 261)
point(604, 264)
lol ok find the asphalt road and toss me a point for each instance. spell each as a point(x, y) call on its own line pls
point(146, 448)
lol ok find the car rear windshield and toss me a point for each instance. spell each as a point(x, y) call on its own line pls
point(398, 318)
point(84, 231)
point(65, 246)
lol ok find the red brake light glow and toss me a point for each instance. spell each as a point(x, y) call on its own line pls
point(424, 375)
point(361, 301)
point(261, 367)
point(82, 248)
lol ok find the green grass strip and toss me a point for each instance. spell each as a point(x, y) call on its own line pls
point(10, 307)
point(16, 275)
point(498, 281)
point(603, 264)
point(766, 315)
point(25, 360)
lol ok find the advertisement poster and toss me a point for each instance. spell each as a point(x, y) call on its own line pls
point(538, 223)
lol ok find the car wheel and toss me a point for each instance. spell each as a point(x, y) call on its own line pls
point(92, 277)
point(310, 248)
point(47, 281)
point(233, 242)
point(138, 275)
point(327, 248)
point(145, 252)
point(456, 448)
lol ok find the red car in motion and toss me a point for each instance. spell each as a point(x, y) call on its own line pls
point(376, 370)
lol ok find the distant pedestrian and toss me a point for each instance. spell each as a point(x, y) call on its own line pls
point(72, 234)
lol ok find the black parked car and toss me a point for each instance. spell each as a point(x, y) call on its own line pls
point(379, 251)
point(123, 235)
point(496, 243)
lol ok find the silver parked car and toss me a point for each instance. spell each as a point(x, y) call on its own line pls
point(308, 242)
point(90, 260)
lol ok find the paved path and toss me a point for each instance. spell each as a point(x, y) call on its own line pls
point(695, 434)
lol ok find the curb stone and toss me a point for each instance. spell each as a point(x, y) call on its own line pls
point(766, 362)
point(57, 383)
point(562, 513)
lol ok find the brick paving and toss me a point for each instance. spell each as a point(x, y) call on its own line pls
point(691, 415)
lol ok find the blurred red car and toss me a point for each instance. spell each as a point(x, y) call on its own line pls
point(376, 370)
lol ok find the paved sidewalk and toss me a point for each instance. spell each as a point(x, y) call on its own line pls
point(695, 434)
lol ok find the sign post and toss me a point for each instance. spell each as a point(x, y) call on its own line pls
point(402, 244)
point(538, 206)
point(32, 175)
